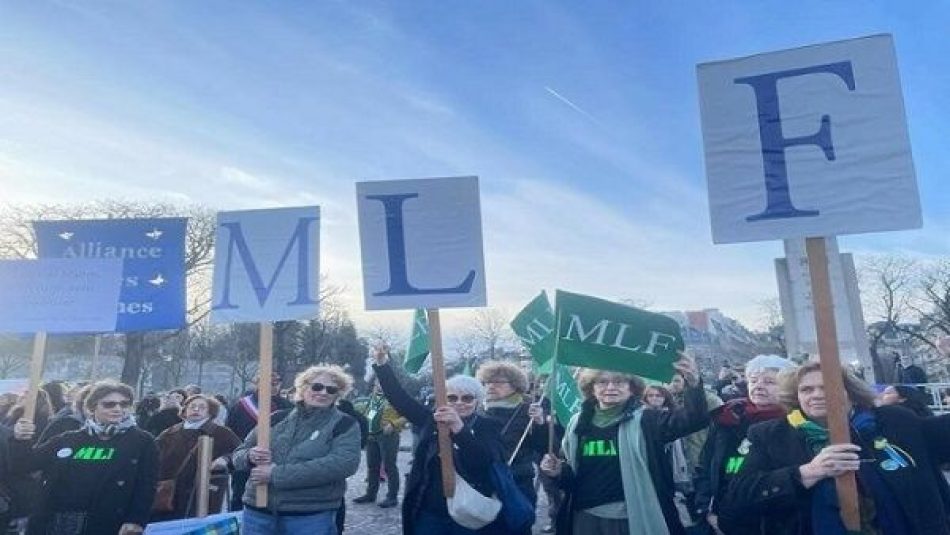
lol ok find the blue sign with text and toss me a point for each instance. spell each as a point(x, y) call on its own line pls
point(153, 250)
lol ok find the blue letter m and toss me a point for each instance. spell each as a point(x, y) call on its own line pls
point(300, 237)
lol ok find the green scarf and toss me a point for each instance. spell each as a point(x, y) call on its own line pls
point(644, 514)
point(607, 417)
point(509, 402)
point(816, 436)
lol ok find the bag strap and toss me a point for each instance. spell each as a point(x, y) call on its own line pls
point(511, 418)
point(187, 458)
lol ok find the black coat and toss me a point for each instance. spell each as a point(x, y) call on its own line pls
point(120, 492)
point(659, 428)
point(477, 446)
point(769, 489)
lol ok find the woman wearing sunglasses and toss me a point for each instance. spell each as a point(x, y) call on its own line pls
point(98, 480)
point(476, 444)
point(312, 452)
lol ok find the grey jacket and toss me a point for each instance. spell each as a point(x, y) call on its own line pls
point(314, 451)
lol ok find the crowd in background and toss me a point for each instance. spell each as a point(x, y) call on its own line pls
point(748, 453)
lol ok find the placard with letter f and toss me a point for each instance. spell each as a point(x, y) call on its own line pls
point(266, 265)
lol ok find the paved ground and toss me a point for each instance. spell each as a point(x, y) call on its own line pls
point(368, 519)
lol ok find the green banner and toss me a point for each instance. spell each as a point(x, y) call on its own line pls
point(566, 398)
point(418, 343)
point(535, 327)
point(595, 333)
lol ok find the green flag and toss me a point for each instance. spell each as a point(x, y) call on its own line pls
point(566, 398)
point(595, 333)
point(467, 370)
point(535, 327)
point(418, 343)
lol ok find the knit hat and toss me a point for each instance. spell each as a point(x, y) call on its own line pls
point(464, 384)
point(767, 362)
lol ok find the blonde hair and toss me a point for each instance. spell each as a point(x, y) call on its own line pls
point(588, 376)
point(338, 375)
point(500, 369)
point(859, 393)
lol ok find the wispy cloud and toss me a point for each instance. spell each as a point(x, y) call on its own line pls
point(573, 106)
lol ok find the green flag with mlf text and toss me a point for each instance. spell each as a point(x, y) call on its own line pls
point(418, 342)
point(566, 398)
point(535, 327)
point(595, 333)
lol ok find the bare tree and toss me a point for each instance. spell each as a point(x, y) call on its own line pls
point(772, 325)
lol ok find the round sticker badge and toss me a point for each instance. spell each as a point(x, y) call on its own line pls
point(64, 453)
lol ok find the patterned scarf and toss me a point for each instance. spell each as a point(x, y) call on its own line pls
point(107, 431)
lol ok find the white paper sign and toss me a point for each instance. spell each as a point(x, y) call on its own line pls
point(266, 265)
point(59, 295)
point(421, 242)
point(808, 142)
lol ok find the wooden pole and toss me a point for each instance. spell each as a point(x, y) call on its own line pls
point(836, 399)
point(264, 371)
point(96, 348)
point(203, 475)
point(36, 375)
point(438, 382)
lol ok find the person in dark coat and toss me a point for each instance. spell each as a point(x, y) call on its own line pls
point(169, 414)
point(100, 479)
point(725, 448)
point(506, 388)
point(787, 480)
point(177, 447)
point(908, 397)
point(70, 418)
point(907, 372)
point(242, 418)
point(476, 443)
point(616, 473)
point(25, 487)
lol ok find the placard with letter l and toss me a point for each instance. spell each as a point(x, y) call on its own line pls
point(421, 243)
point(807, 142)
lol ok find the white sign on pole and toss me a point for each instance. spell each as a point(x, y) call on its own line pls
point(808, 142)
point(421, 243)
point(59, 295)
point(266, 265)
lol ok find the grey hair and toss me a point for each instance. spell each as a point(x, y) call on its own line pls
point(466, 385)
point(768, 362)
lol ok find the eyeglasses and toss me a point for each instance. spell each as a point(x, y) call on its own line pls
point(125, 404)
point(320, 387)
point(495, 382)
point(616, 381)
point(466, 398)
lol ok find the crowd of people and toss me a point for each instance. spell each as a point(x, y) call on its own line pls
point(748, 454)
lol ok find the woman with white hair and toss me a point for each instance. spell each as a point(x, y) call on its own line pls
point(476, 445)
point(727, 446)
point(312, 452)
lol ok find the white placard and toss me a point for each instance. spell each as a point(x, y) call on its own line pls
point(421, 242)
point(266, 265)
point(808, 142)
point(59, 295)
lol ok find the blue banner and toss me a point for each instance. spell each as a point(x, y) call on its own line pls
point(153, 250)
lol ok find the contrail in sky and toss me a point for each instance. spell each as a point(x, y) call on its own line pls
point(573, 106)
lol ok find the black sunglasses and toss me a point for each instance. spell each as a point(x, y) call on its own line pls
point(466, 398)
point(320, 387)
point(125, 404)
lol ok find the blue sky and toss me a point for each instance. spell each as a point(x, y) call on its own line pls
point(581, 119)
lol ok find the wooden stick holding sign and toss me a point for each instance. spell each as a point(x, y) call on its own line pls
point(36, 375)
point(438, 383)
point(203, 476)
point(836, 399)
point(264, 371)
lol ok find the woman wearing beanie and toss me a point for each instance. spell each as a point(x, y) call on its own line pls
point(476, 443)
point(98, 480)
point(617, 476)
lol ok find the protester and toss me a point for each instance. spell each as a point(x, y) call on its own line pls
point(312, 452)
point(56, 391)
point(145, 409)
point(98, 480)
point(70, 418)
point(908, 373)
point(908, 397)
point(726, 444)
point(476, 445)
point(506, 387)
point(222, 416)
point(617, 476)
point(787, 479)
point(7, 401)
point(382, 447)
point(25, 487)
point(659, 398)
point(169, 414)
point(6, 495)
point(178, 456)
point(242, 418)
